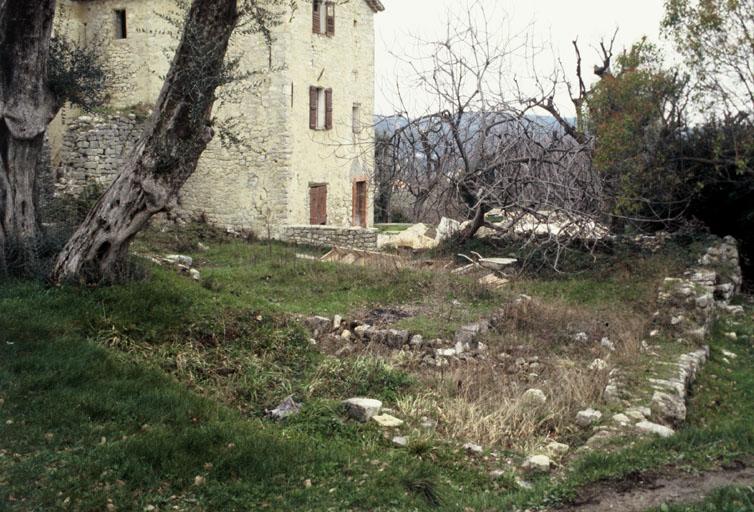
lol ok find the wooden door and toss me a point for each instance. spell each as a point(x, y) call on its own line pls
point(318, 205)
point(360, 203)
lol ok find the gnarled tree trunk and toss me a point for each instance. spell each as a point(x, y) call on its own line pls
point(26, 108)
point(167, 153)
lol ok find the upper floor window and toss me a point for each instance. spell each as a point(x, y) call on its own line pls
point(356, 118)
point(320, 108)
point(323, 17)
point(121, 24)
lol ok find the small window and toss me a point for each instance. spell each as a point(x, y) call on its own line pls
point(320, 108)
point(121, 24)
point(323, 17)
point(356, 118)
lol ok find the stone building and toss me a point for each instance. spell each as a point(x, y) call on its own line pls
point(304, 118)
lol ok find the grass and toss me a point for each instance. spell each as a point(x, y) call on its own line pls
point(725, 500)
point(125, 395)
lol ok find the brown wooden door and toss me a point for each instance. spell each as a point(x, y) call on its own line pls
point(360, 203)
point(318, 205)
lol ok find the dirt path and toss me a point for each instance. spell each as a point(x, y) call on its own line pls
point(638, 493)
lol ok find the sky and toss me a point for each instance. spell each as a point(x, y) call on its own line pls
point(552, 24)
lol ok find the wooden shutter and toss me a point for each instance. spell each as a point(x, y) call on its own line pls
point(313, 106)
point(328, 109)
point(316, 13)
point(330, 13)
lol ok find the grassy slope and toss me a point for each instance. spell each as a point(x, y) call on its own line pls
point(63, 393)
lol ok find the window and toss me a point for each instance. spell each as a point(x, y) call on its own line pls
point(121, 24)
point(323, 17)
point(356, 118)
point(320, 108)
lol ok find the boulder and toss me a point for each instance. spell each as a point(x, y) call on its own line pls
point(336, 322)
point(588, 417)
point(647, 427)
point(537, 464)
point(416, 237)
point(472, 448)
point(362, 409)
point(668, 407)
point(195, 275)
point(447, 229)
point(621, 419)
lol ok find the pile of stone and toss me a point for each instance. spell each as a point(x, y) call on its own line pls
point(184, 264)
point(466, 344)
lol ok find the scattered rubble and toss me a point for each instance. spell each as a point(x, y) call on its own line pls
point(588, 417)
point(288, 407)
point(537, 464)
point(362, 409)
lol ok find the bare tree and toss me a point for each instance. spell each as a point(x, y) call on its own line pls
point(483, 146)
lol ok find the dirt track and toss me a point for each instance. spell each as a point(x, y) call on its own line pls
point(638, 493)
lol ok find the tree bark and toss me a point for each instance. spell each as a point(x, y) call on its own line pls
point(26, 108)
point(166, 155)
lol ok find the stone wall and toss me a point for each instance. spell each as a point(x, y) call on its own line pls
point(264, 179)
point(93, 150)
point(331, 236)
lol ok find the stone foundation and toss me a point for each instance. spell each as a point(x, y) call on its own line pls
point(332, 236)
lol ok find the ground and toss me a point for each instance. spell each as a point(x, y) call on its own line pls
point(152, 395)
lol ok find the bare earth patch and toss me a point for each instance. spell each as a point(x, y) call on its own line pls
point(638, 493)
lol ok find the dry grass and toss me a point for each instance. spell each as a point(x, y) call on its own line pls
point(531, 346)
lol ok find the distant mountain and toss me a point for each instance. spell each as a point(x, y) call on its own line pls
point(385, 125)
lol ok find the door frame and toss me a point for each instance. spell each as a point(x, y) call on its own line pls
point(354, 202)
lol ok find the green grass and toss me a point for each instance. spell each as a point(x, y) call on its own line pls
point(115, 394)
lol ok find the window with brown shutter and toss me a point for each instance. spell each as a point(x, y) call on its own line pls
point(328, 109)
point(313, 106)
point(330, 11)
point(316, 16)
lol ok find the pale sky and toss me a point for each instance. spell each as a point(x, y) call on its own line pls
point(555, 23)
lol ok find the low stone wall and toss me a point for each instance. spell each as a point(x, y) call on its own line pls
point(687, 307)
point(93, 150)
point(332, 236)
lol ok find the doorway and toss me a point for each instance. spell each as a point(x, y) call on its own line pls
point(318, 204)
point(360, 203)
